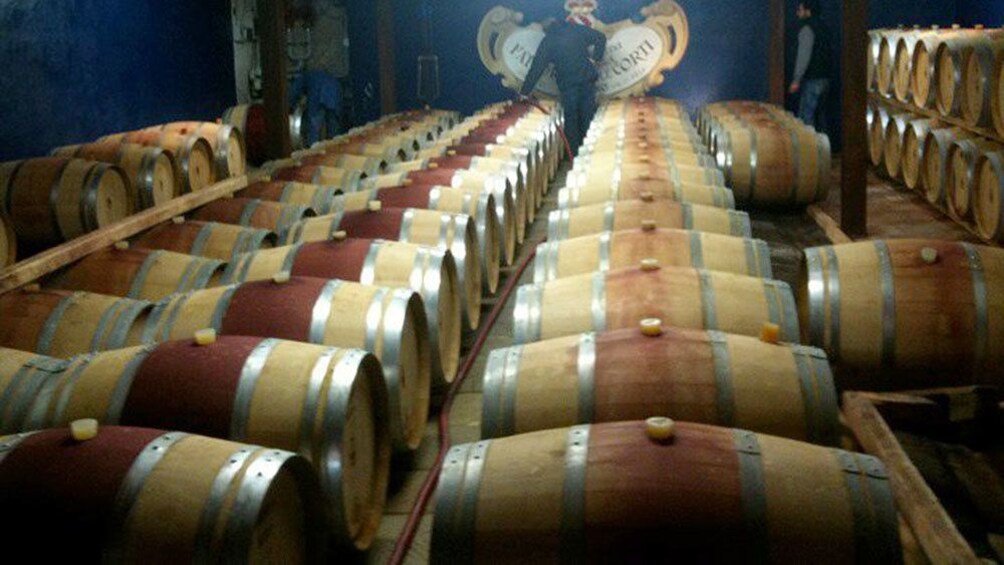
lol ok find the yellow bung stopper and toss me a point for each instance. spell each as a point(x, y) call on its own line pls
point(339, 235)
point(121, 245)
point(650, 264)
point(407, 182)
point(432, 166)
point(84, 429)
point(770, 333)
point(648, 225)
point(643, 145)
point(374, 206)
point(281, 277)
point(646, 197)
point(643, 159)
point(651, 327)
point(929, 255)
point(451, 152)
point(33, 287)
point(206, 336)
point(660, 428)
point(178, 220)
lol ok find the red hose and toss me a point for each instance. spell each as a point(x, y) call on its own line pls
point(561, 130)
point(418, 510)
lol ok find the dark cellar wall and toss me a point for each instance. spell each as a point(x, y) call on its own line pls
point(76, 69)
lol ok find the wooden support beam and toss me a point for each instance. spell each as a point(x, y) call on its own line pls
point(776, 60)
point(854, 160)
point(56, 258)
point(272, 33)
point(385, 55)
point(919, 506)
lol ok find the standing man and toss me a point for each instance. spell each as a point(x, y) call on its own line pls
point(813, 65)
point(575, 51)
point(318, 81)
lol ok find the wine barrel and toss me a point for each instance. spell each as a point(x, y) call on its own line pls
point(715, 196)
point(193, 156)
point(775, 164)
point(614, 173)
point(7, 171)
point(535, 171)
point(8, 240)
point(150, 170)
point(497, 184)
point(673, 248)
point(988, 198)
point(238, 388)
point(609, 493)
point(205, 239)
point(951, 63)
point(22, 375)
point(643, 152)
point(922, 74)
point(976, 81)
point(961, 165)
point(428, 271)
point(51, 200)
point(874, 43)
point(388, 153)
point(876, 132)
point(139, 273)
point(906, 313)
point(935, 172)
point(390, 323)
point(894, 134)
point(252, 212)
point(476, 210)
point(903, 57)
point(226, 141)
point(142, 495)
point(681, 297)
point(912, 158)
point(346, 180)
point(444, 198)
point(249, 119)
point(515, 171)
point(313, 196)
point(634, 214)
point(62, 324)
point(886, 61)
point(365, 166)
point(452, 232)
point(695, 376)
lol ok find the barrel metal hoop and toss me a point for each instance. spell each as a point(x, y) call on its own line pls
point(367, 275)
point(109, 319)
point(788, 311)
point(453, 532)
point(167, 310)
point(120, 394)
point(888, 304)
point(10, 444)
point(608, 218)
point(119, 333)
point(89, 206)
point(796, 158)
point(708, 306)
point(183, 281)
point(573, 500)
point(54, 191)
point(527, 313)
point(374, 319)
point(205, 272)
point(26, 372)
point(739, 222)
point(250, 496)
point(29, 409)
point(493, 423)
point(754, 268)
point(247, 212)
point(876, 536)
point(598, 302)
point(697, 250)
point(754, 159)
point(318, 375)
point(831, 291)
point(586, 371)
point(445, 222)
point(48, 333)
point(221, 308)
point(407, 218)
point(542, 270)
point(724, 395)
point(754, 495)
point(217, 494)
point(818, 379)
point(139, 280)
point(322, 311)
point(130, 488)
point(246, 383)
point(147, 164)
point(202, 237)
point(981, 343)
point(605, 251)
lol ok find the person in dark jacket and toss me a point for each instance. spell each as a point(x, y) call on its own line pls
point(575, 51)
point(813, 65)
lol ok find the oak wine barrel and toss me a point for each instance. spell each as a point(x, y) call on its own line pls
point(314, 196)
point(226, 141)
point(635, 214)
point(143, 495)
point(150, 170)
point(906, 313)
point(193, 156)
point(205, 239)
point(962, 156)
point(681, 297)
point(346, 180)
point(388, 322)
point(610, 493)
point(935, 172)
point(706, 195)
point(8, 241)
point(988, 199)
point(328, 404)
point(252, 212)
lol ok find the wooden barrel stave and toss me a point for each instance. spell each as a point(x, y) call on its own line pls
point(988, 200)
point(205, 239)
point(635, 214)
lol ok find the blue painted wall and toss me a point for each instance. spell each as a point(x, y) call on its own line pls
point(76, 69)
point(987, 12)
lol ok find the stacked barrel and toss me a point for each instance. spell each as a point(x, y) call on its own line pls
point(936, 122)
point(46, 201)
point(769, 157)
point(290, 316)
point(650, 303)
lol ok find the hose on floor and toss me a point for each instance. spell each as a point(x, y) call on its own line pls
point(418, 510)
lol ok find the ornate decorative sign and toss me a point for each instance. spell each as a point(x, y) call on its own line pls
point(637, 54)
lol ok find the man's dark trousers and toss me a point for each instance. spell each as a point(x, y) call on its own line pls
point(579, 104)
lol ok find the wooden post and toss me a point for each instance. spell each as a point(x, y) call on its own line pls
point(854, 161)
point(775, 59)
point(272, 31)
point(385, 54)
